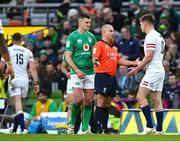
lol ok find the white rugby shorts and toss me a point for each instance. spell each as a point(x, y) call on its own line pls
point(18, 87)
point(153, 80)
point(69, 89)
point(86, 83)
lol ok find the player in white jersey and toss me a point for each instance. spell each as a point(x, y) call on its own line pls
point(21, 57)
point(4, 52)
point(152, 82)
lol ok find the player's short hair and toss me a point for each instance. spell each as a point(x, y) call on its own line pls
point(83, 15)
point(17, 37)
point(149, 18)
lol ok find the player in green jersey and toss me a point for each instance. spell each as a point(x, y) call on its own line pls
point(79, 57)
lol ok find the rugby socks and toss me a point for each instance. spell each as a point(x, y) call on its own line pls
point(86, 117)
point(15, 124)
point(75, 110)
point(99, 114)
point(147, 113)
point(20, 118)
point(105, 118)
point(159, 116)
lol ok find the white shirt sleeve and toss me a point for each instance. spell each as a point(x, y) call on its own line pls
point(150, 43)
point(1, 27)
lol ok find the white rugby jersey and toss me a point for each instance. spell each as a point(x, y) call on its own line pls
point(1, 27)
point(154, 41)
point(20, 56)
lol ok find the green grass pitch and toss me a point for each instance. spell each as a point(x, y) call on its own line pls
point(64, 137)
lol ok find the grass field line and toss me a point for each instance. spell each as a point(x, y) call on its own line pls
point(88, 138)
point(88, 141)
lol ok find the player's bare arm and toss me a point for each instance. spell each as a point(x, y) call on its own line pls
point(34, 76)
point(71, 63)
point(147, 58)
point(3, 49)
point(4, 52)
point(64, 69)
point(125, 62)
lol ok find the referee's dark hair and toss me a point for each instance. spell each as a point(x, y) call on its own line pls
point(149, 18)
point(17, 37)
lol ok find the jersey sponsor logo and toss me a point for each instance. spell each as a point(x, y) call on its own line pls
point(86, 47)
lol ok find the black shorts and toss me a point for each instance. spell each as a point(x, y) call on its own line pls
point(105, 84)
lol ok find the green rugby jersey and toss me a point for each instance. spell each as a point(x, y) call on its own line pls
point(81, 47)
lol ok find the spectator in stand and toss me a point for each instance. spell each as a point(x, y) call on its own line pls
point(63, 10)
point(115, 5)
point(88, 7)
point(135, 10)
point(166, 66)
point(30, 45)
point(98, 21)
point(151, 9)
point(66, 27)
point(116, 20)
point(60, 54)
point(43, 104)
point(43, 60)
point(171, 14)
point(62, 43)
point(72, 17)
point(48, 81)
point(128, 46)
point(173, 51)
point(39, 42)
point(61, 78)
point(175, 37)
point(50, 48)
point(121, 79)
point(54, 35)
point(134, 13)
point(172, 93)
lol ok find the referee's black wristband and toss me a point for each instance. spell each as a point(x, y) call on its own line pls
point(36, 83)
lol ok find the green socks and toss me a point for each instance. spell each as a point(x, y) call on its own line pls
point(75, 110)
point(86, 117)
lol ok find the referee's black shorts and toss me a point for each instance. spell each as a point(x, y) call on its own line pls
point(105, 84)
